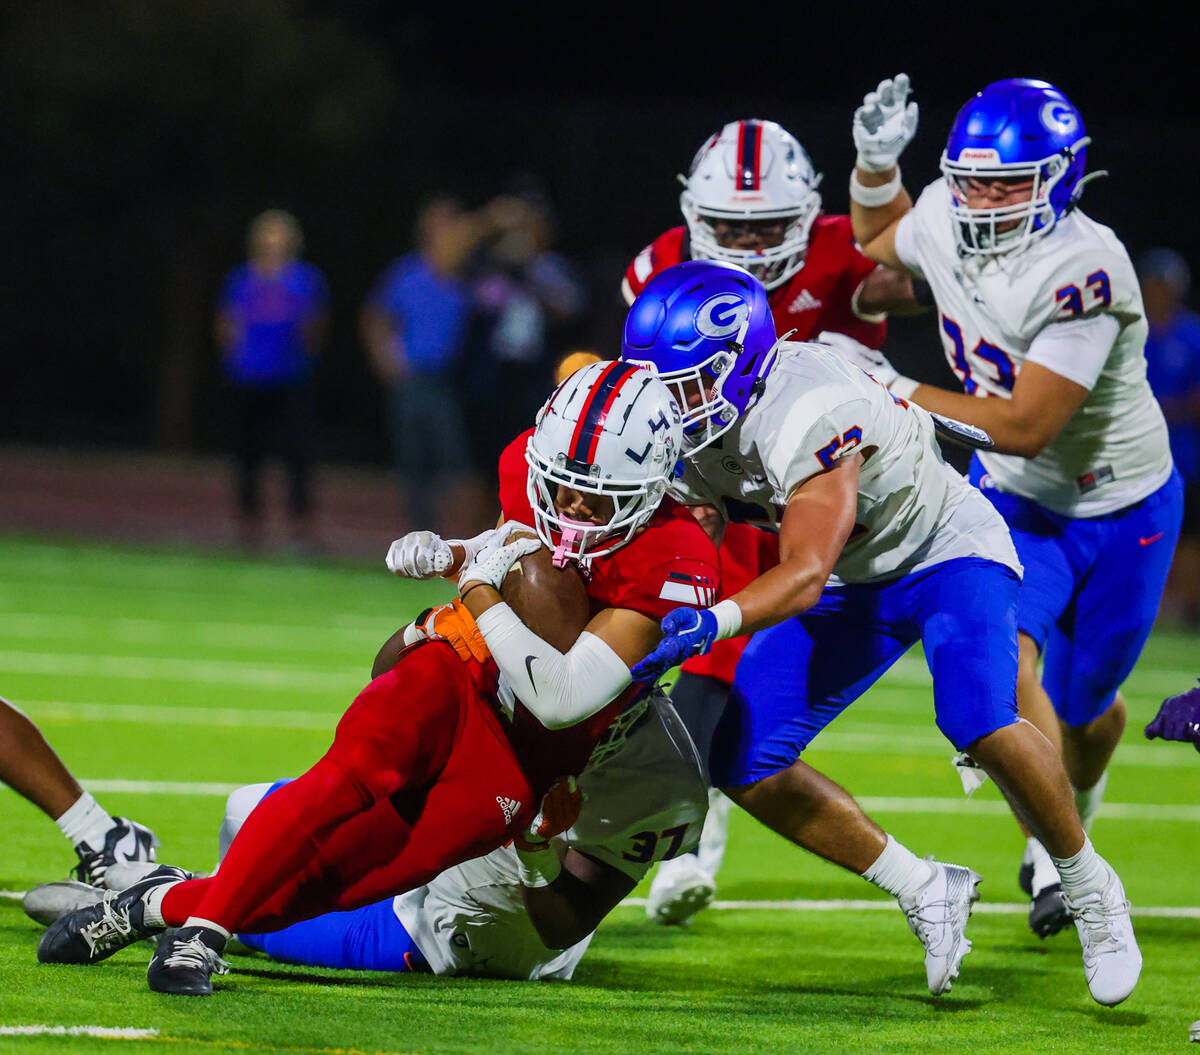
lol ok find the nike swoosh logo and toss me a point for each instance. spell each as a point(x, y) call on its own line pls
point(127, 847)
point(529, 671)
point(1152, 538)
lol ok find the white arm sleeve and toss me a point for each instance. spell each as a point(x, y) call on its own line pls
point(559, 689)
point(1076, 350)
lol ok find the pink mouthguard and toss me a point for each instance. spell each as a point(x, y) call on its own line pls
point(572, 532)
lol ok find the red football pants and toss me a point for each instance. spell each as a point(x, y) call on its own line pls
point(420, 777)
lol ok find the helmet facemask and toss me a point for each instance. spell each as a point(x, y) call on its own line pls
point(976, 230)
point(634, 503)
point(772, 265)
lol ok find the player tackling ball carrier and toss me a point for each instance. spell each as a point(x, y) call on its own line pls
point(882, 544)
point(1039, 309)
point(446, 755)
point(752, 198)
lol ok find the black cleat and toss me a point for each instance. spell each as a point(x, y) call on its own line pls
point(185, 961)
point(1025, 878)
point(94, 933)
point(124, 841)
point(1049, 913)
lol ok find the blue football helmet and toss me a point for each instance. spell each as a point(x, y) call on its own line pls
point(704, 326)
point(1015, 129)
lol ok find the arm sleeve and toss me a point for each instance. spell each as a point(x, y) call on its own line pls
point(1076, 350)
point(559, 689)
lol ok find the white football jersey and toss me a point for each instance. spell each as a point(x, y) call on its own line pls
point(1113, 451)
point(914, 510)
point(645, 803)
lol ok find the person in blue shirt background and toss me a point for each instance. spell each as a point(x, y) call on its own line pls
point(270, 326)
point(414, 325)
point(1173, 370)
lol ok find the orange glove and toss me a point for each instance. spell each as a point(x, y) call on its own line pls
point(454, 623)
point(560, 810)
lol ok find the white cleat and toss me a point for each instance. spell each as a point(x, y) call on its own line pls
point(1112, 960)
point(680, 889)
point(938, 917)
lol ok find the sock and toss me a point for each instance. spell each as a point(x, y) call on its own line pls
point(899, 871)
point(207, 924)
point(85, 821)
point(1044, 872)
point(1087, 802)
point(152, 899)
point(1085, 873)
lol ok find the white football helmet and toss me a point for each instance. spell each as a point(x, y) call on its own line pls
point(610, 429)
point(752, 171)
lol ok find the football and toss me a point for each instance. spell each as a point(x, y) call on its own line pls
point(551, 601)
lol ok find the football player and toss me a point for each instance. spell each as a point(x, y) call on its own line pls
point(644, 799)
point(854, 481)
point(445, 756)
point(1039, 307)
point(32, 768)
point(751, 198)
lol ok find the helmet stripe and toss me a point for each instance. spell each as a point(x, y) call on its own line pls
point(749, 154)
point(586, 437)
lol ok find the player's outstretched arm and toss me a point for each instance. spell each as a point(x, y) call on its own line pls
point(816, 523)
point(884, 124)
point(1178, 719)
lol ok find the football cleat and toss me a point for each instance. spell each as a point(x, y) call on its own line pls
point(94, 933)
point(680, 889)
point(185, 961)
point(47, 902)
point(1048, 913)
point(938, 916)
point(1112, 960)
point(124, 841)
point(1025, 878)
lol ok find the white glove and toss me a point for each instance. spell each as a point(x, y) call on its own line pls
point(492, 562)
point(884, 125)
point(419, 555)
point(866, 359)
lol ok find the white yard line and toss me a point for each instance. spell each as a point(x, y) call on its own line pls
point(998, 908)
point(228, 717)
point(105, 1032)
point(879, 741)
point(41, 626)
point(210, 671)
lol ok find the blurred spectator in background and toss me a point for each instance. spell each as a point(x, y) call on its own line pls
point(1173, 369)
point(527, 298)
point(270, 326)
point(415, 325)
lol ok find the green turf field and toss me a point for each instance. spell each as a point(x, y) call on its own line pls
point(165, 679)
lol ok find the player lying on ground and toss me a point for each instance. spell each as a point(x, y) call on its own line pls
point(751, 198)
point(497, 916)
point(853, 479)
point(32, 768)
point(1039, 309)
point(446, 756)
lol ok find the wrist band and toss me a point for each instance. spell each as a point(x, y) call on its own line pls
point(729, 618)
point(874, 197)
point(474, 586)
point(903, 387)
point(538, 868)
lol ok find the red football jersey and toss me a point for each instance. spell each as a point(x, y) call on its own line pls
point(670, 564)
point(815, 298)
point(746, 552)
